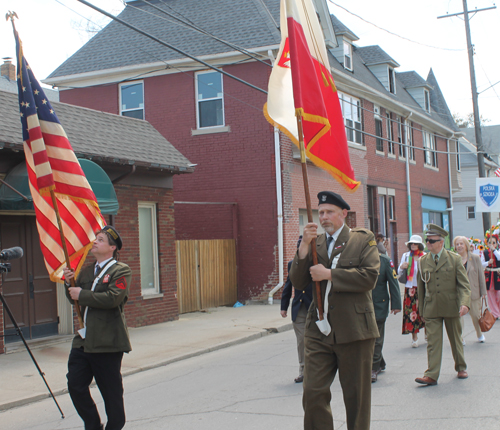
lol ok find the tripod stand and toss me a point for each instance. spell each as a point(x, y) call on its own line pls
point(20, 334)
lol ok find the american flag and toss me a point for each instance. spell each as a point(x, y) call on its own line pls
point(52, 166)
point(497, 172)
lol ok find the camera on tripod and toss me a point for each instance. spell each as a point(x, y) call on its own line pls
point(9, 254)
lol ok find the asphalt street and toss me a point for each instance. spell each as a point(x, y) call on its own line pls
point(250, 386)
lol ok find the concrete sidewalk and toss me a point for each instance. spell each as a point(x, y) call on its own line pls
point(152, 346)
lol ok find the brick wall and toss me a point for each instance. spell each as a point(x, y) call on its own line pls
point(235, 167)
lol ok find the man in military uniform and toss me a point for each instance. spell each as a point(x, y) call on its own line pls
point(444, 296)
point(102, 290)
point(381, 298)
point(348, 268)
point(301, 301)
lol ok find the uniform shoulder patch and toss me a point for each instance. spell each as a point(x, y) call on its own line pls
point(372, 243)
point(121, 283)
point(394, 274)
point(392, 264)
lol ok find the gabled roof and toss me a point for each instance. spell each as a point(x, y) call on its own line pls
point(100, 136)
point(490, 135)
point(246, 23)
point(373, 55)
point(438, 102)
point(11, 87)
point(341, 30)
point(412, 80)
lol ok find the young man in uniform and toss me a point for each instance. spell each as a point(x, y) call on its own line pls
point(102, 290)
point(344, 340)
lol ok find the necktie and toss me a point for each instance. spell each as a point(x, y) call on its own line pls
point(97, 269)
point(436, 259)
point(329, 240)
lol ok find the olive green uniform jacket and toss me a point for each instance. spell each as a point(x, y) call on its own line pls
point(447, 288)
point(350, 307)
point(380, 295)
point(106, 328)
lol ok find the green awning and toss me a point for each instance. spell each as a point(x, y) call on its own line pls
point(97, 177)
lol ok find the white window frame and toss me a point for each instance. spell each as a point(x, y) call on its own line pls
point(468, 212)
point(347, 56)
point(427, 101)
point(430, 154)
point(379, 133)
point(204, 100)
point(154, 235)
point(392, 208)
point(124, 84)
point(392, 81)
point(390, 141)
point(411, 146)
point(351, 111)
point(401, 138)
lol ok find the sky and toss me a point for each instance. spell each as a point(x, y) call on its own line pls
point(52, 30)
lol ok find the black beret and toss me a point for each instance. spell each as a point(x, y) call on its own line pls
point(333, 199)
point(114, 235)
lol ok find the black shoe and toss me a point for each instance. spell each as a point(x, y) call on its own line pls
point(374, 376)
point(299, 379)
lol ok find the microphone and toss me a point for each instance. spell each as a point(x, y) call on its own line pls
point(11, 253)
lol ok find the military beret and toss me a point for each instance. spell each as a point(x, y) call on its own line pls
point(111, 231)
point(333, 199)
point(435, 230)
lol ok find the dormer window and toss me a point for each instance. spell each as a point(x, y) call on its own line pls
point(347, 56)
point(392, 81)
point(427, 102)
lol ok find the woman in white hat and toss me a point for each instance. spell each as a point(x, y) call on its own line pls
point(412, 322)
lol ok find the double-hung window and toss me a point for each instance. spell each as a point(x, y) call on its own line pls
point(148, 248)
point(132, 99)
point(351, 110)
point(347, 56)
point(209, 100)
point(390, 142)
point(430, 153)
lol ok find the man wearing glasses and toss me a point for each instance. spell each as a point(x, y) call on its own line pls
point(444, 296)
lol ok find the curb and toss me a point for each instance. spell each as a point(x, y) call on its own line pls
point(266, 332)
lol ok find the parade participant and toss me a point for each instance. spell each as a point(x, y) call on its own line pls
point(301, 301)
point(102, 290)
point(492, 275)
point(343, 341)
point(381, 297)
point(475, 274)
point(444, 292)
point(412, 320)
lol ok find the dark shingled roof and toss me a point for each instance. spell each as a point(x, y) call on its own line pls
point(109, 137)
point(374, 54)
point(245, 23)
point(412, 79)
point(340, 29)
point(438, 102)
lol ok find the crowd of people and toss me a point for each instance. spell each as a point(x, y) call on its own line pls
point(343, 329)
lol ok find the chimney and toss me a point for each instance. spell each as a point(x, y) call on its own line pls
point(8, 69)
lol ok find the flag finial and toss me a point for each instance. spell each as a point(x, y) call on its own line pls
point(11, 15)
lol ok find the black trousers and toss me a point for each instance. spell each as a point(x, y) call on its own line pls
point(106, 369)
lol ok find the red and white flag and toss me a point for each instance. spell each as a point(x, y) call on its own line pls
point(52, 166)
point(301, 84)
point(497, 172)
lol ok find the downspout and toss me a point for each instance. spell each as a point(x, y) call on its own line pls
point(277, 158)
point(408, 186)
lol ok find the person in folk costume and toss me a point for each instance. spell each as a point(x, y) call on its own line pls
point(412, 321)
point(492, 276)
point(478, 249)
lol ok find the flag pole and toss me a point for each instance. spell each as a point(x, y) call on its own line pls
point(66, 254)
point(309, 210)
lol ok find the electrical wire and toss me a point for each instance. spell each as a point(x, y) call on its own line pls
point(392, 33)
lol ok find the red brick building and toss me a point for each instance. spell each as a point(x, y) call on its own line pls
point(398, 127)
point(138, 164)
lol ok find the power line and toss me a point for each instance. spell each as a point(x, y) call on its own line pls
point(390, 32)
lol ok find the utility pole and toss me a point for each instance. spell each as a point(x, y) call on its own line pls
point(475, 106)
